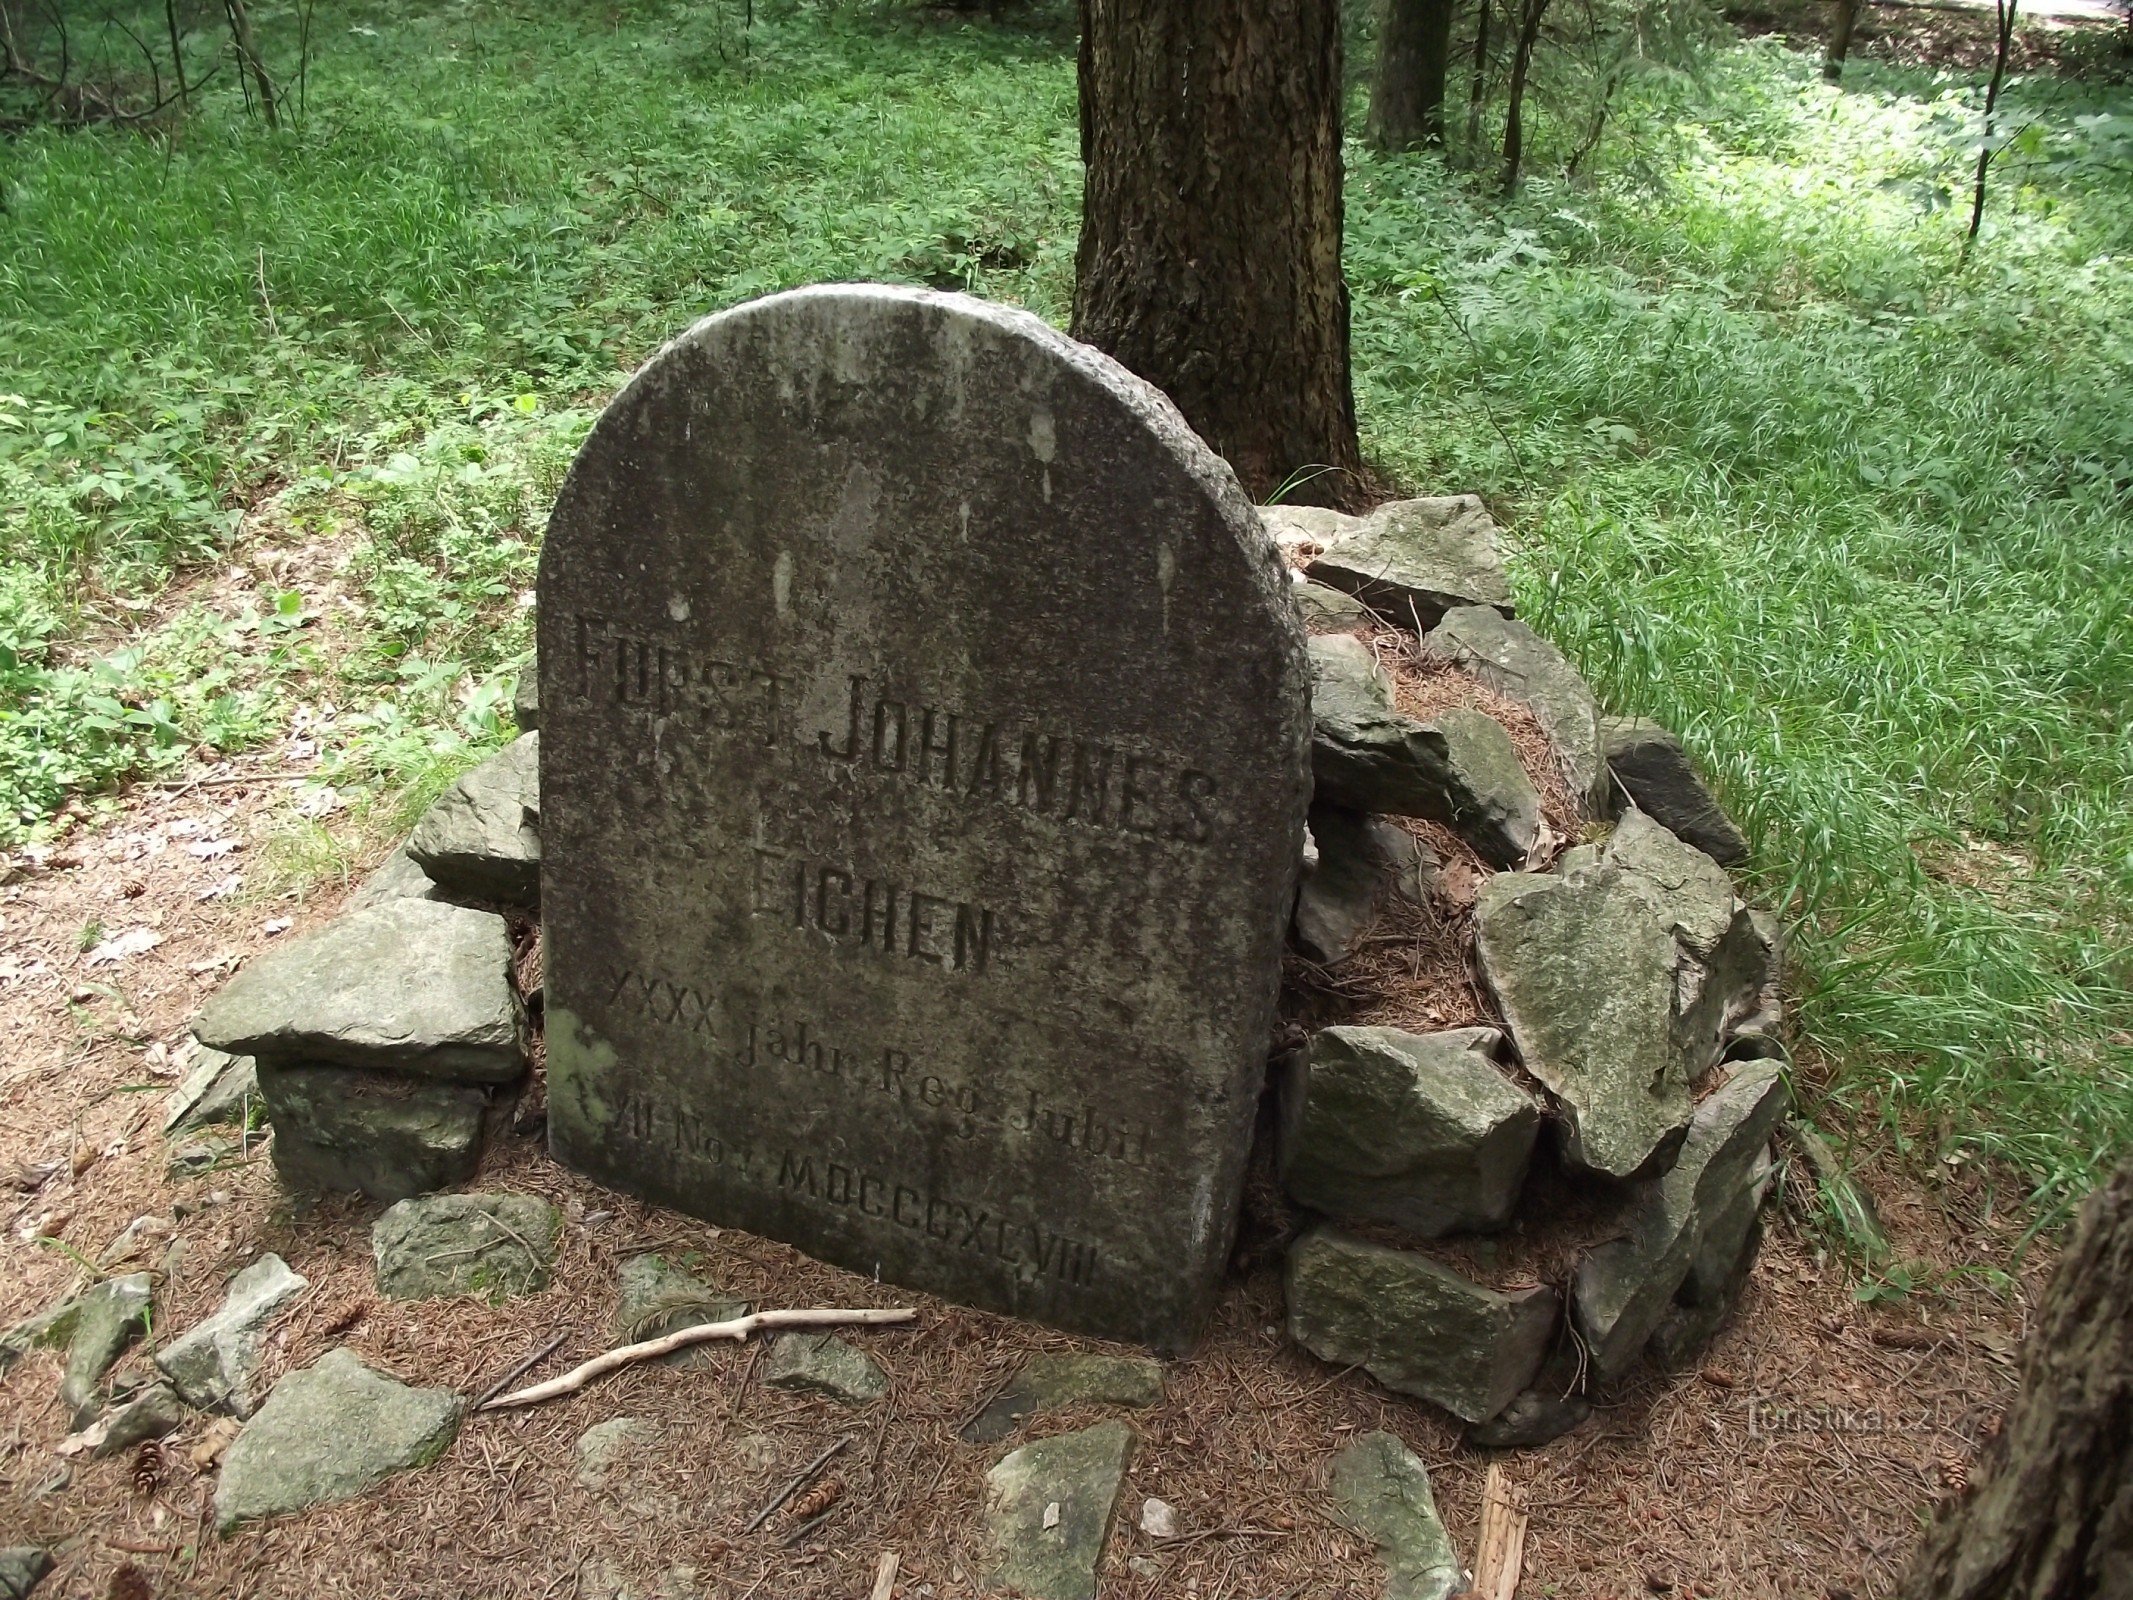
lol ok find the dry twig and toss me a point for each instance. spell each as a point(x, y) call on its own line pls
point(885, 1576)
point(703, 1333)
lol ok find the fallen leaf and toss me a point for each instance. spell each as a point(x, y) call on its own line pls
point(133, 942)
point(211, 849)
point(207, 1450)
point(276, 925)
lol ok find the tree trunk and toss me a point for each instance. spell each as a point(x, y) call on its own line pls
point(1477, 93)
point(1407, 88)
point(1210, 257)
point(2004, 42)
point(1514, 117)
point(1843, 15)
point(250, 60)
point(2050, 1513)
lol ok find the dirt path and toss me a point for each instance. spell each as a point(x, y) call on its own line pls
point(1794, 1461)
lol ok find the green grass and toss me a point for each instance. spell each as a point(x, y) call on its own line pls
point(1785, 470)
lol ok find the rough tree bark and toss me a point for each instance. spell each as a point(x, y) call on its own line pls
point(1843, 16)
point(1477, 89)
point(249, 60)
point(1210, 257)
point(1407, 84)
point(2050, 1512)
point(1514, 116)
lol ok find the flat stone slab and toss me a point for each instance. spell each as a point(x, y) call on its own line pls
point(1512, 659)
point(341, 1130)
point(1411, 561)
point(1364, 864)
point(822, 1363)
point(112, 1315)
point(1328, 610)
point(326, 1434)
point(655, 1298)
point(1587, 978)
point(1414, 1325)
point(482, 839)
point(214, 1363)
point(1052, 1381)
point(496, 1245)
point(1650, 764)
point(405, 986)
point(151, 1414)
point(923, 773)
point(1459, 767)
point(1420, 1130)
point(1623, 1288)
point(1381, 1490)
point(218, 1088)
point(399, 878)
point(22, 1568)
point(1049, 1508)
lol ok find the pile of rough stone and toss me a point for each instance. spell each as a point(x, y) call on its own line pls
point(388, 1044)
point(1608, 1145)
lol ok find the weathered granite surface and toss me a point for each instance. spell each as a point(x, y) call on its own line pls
point(376, 1133)
point(1623, 1288)
point(1459, 767)
point(1586, 976)
point(328, 1433)
point(1650, 764)
point(1411, 561)
point(1049, 1508)
point(654, 1297)
point(1363, 864)
point(482, 839)
point(1414, 1325)
point(1420, 1130)
point(213, 1364)
point(498, 1245)
point(111, 1317)
point(822, 1363)
point(216, 1088)
point(1382, 1491)
point(403, 986)
point(1055, 1379)
point(400, 877)
point(923, 771)
point(22, 1568)
point(1511, 658)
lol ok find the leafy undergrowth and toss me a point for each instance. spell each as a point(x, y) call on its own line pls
point(1785, 469)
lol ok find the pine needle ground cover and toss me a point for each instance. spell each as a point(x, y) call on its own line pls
point(1789, 472)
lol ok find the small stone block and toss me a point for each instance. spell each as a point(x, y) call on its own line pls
point(1049, 1508)
point(822, 1363)
point(495, 1245)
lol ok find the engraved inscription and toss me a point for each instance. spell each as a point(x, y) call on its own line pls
point(635, 671)
point(1033, 1250)
point(661, 1001)
point(851, 909)
point(1020, 765)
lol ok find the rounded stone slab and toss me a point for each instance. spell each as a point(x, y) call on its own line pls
point(405, 986)
point(923, 770)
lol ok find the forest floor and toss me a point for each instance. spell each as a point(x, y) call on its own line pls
point(1796, 1459)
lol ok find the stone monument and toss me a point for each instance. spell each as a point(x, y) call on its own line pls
point(923, 769)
